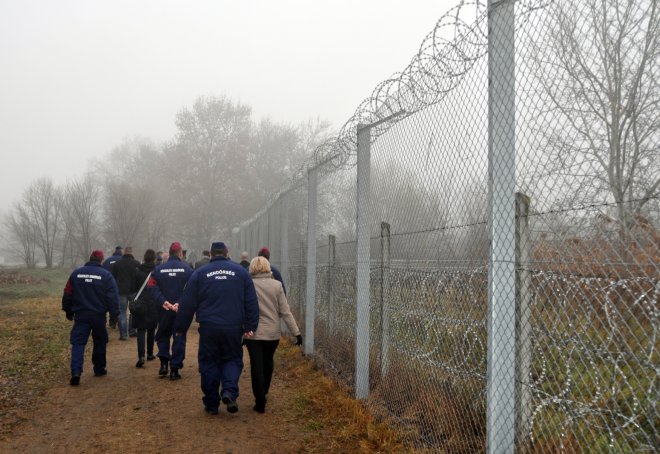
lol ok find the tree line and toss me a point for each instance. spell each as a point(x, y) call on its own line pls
point(220, 167)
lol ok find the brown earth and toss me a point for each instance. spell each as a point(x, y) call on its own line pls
point(9, 277)
point(133, 409)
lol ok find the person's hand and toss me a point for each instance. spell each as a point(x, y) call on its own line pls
point(69, 315)
point(175, 307)
point(167, 306)
point(298, 339)
point(249, 334)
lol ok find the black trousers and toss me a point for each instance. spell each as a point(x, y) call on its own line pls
point(261, 367)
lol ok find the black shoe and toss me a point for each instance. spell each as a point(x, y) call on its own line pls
point(211, 411)
point(174, 374)
point(123, 338)
point(101, 373)
point(150, 357)
point(132, 335)
point(163, 368)
point(232, 406)
point(259, 408)
point(75, 380)
point(140, 362)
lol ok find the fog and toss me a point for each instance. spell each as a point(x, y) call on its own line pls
point(79, 77)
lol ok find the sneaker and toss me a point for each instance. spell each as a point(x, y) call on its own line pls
point(211, 411)
point(232, 406)
point(75, 380)
point(163, 368)
point(101, 373)
point(140, 362)
point(150, 357)
point(174, 374)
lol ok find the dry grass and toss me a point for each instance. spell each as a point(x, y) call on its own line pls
point(326, 407)
point(34, 343)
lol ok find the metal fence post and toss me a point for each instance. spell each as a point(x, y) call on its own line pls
point(310, 294)
point(284, 238)
point(263, 228)
point(363, 263)
point(501, 418)
point(384, 297)
point(523, 320)
point(331, 268)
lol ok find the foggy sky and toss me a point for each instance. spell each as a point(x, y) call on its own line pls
point(77, 77)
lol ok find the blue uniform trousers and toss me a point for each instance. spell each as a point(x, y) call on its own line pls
point(82, 327)
point(164, 334)
point(220, 360)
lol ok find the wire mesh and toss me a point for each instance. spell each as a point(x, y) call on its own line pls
point(513, 253)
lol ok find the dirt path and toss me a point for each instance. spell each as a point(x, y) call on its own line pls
point(133, 409)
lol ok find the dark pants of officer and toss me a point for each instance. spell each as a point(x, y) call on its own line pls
point(220, 361)
point(163, 335)
point(261, 367)
point(83, 325)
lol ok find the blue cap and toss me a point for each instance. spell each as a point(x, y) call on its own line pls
point(218, 245)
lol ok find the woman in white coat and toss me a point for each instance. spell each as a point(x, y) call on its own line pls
point(273, 305)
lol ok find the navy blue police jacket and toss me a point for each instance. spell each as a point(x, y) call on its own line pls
point(91, 290)
point(168, 280)
point(278, 277)
point(222, 294)
point(107, 264)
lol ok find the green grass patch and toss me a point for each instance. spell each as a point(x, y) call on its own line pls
point(34, 340)
point(16, 284)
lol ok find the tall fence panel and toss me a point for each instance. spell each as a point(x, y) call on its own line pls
point(495, 286)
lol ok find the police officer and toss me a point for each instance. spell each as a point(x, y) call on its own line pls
point(166, 287)
point(110, 261)
point(90, 292)
point(265, 252)
point(223, 296)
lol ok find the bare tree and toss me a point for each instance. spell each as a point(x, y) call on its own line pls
point(21, 233)
point(41, 203)
point(82, 203)
point(598, 68)
point(127, 209)
point(203, 167)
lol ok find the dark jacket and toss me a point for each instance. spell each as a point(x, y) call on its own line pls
point(150, 319)
point(277, 276)
point(124, 271)
point(168, 280)
point(203, 261)
point(245, 264)
point(222, 294)
point(91, 291)
point(110, 261)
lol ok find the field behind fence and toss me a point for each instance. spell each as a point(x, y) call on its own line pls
point(476, 254)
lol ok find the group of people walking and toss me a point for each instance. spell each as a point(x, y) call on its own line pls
point(235, 304)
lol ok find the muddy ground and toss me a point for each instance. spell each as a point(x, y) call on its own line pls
point(133, 409)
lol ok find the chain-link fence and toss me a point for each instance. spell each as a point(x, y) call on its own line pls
point(476, 255)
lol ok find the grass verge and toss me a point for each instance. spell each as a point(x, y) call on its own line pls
point(34, 344)
point(333, 420)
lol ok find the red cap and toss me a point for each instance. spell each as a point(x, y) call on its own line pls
point(97, 254)
point(264, 252)
point(175, 247)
